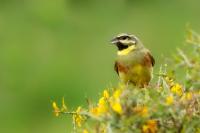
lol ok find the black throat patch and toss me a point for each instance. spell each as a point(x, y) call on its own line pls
point(120, 46)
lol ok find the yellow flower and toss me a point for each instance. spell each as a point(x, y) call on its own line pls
point(78, 110)
point(94, 111)
point(169, 100)
point(187, 96)
point(64, 107)
point(116, 106)
point(145, 129)
point(77, 118)
point(115, 101)
point(85, 131)
point(141, 110)
point(56, 109)
point(177, 89)
point(169, 80)
point(105, 94)
point(117, 94)
point(144, 111)
point(102, 106)
point(150, 127)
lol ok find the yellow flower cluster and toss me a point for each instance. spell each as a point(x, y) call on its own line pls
point(177, 89)
point(106, 102)
point(169, 81)
point(169, 100)
point(115, 101)
point(77, 118)
point(85, 131)
point(150, 127)
point(187, 96)
point(106, 94)
point(102, 106)
point(58, 110)
point(110, 103)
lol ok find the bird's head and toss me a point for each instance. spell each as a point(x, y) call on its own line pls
point(126, 42)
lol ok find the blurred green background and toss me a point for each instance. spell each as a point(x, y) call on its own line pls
point(55, 48)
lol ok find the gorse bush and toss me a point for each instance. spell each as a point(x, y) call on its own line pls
point(171, 104)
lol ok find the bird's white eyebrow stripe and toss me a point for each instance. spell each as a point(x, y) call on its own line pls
point(123, 34)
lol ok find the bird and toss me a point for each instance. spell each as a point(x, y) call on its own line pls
point(134, 63)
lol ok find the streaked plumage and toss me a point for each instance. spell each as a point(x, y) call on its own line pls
point(134, 63)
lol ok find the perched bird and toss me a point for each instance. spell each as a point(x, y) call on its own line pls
point(134, 63)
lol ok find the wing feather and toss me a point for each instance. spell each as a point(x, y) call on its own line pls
point(148, 60)
point(151, 58)
point(116, 67)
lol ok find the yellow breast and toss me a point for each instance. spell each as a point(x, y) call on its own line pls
point(137, 74)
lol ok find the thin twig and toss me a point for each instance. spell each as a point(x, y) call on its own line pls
point(187, 61)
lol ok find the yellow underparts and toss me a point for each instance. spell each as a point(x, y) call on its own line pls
point(138, 75)
point(127, 50)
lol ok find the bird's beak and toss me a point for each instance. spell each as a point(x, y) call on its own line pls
point(114, 41)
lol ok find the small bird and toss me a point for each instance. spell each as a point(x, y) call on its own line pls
point(134, 63)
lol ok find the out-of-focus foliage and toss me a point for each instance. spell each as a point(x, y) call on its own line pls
point(170, 104)
point(188, 61)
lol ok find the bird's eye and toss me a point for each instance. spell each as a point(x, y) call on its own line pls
point(124, 37)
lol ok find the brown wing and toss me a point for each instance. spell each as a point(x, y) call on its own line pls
point(151, 58)
point(116, 67)
point(148, 60)
point(120, 68)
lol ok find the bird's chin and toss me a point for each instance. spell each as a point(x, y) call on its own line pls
point(121, 46)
